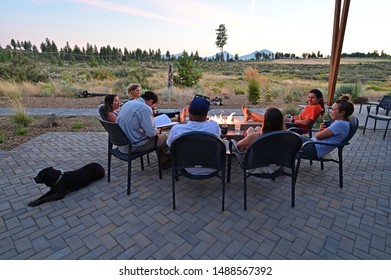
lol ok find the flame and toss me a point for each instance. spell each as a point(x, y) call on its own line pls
point(220, 120)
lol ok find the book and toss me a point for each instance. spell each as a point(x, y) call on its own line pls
point(163, 121)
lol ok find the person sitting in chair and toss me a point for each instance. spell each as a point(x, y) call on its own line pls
point(111, 108)
point(198, 112)
point(335, 133)
point(273, 121)
point(136, 120)
point(306, 117)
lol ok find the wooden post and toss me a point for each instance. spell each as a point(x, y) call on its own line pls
point(170, 74)
point(338, 36)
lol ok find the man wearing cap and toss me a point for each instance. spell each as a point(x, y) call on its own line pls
point(198, 112)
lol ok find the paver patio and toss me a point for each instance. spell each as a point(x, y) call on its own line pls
point(101, 222)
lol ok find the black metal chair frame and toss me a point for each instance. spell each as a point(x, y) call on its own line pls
point(103, 117)
point(278, 148)
point(301, 130)
point(118, 138)
point(353, 128)
point(384, 103)
point(198, 149)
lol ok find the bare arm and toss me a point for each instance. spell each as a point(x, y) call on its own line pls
point(323, 132)
point(111, 117)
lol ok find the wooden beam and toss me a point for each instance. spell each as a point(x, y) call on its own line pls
point(337, 15)
point(338, 38)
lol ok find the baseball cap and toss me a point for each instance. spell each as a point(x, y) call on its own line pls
point(199, 106)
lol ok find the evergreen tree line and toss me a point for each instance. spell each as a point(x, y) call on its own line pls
point(90, 53)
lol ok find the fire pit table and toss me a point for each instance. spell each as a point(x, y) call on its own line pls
point(230, 122)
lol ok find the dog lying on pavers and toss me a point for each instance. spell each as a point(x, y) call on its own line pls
point(62, 183)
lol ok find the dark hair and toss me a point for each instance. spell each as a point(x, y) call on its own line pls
point(148, 95)
point(109, 99)
point(273, 120)
point(345, 105)
point(319, 96)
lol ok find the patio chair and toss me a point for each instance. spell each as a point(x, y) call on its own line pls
point(353, 128)
point(303, 130)
point(118, 138)
point(198, 155)
point(384, 103)
point(101, 111)
point(274, 151)
point(103, 117)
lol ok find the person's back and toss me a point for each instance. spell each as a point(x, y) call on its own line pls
point(273, 121)
point(198, 111)
point(136, 120)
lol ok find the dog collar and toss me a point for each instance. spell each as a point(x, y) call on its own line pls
point(59, 178)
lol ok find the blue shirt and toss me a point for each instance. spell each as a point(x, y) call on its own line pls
point(136, 120)
point(340, 130)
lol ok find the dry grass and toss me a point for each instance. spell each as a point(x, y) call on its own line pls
point(11, 91)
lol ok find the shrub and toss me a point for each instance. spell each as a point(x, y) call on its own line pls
point(1, 138)
point(239, 91)
point(253, 84)
point(21, 118)
point(254, 89)
point(291, 110)
point(353, 89)
point(187, 74)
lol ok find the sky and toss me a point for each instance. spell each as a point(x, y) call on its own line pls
point(300, 26)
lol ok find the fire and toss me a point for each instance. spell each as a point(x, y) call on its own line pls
point(220, 120)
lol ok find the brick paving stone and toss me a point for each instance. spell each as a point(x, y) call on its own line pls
point(94, 254)
point(102, 222)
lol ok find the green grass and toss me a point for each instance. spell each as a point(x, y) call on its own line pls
point(21, 131)
point(78, 126)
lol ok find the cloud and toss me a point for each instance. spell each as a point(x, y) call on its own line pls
point(126, 9)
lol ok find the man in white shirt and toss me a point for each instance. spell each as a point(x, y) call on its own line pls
point(198, 112)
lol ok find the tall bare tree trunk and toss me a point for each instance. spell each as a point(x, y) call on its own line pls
point(170, 74)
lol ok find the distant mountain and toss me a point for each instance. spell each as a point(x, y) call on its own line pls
point(253, 54)
point(244, 57)
point(224, 53)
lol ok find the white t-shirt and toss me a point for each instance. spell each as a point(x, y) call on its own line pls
point(192, 126)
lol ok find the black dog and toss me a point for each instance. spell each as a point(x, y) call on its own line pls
point(61, 184)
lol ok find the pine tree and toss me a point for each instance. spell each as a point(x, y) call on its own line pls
point(221, 39)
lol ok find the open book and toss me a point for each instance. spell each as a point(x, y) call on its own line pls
point(163, 121)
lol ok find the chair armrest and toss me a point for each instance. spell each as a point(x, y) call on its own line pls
point(233, 147)
point(326, 144)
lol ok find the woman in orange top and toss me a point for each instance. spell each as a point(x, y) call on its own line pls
point(304, 119)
